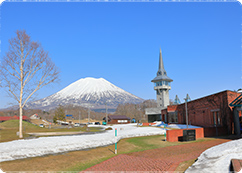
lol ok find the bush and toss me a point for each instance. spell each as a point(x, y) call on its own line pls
point(109, 128)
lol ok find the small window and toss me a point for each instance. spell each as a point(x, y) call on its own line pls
point(216, 119)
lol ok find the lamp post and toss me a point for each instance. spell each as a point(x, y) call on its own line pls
point(186, 111)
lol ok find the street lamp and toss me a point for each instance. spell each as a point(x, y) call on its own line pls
point(186, 110)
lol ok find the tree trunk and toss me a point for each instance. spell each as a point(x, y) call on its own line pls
point(21, 94)
point(20, 121)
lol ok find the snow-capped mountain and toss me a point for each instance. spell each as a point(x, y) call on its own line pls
point(87, 92)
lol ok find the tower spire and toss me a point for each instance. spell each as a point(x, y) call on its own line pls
point(161, 70)
point(162, 85)
point(161, 64)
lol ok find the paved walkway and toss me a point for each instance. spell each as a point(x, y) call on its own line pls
point(161, 159)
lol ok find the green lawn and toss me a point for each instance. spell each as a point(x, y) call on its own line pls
point(8, 130)
point(149, 142)
point(131, 145)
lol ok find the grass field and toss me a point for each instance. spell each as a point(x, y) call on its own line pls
point(9, 129)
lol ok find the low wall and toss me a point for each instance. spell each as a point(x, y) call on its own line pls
point(174, 135)
point(211, 131)
point(148, 124)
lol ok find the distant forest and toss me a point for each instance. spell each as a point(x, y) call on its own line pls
point(136, 111)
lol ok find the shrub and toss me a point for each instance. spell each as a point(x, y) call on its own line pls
point(109, 128)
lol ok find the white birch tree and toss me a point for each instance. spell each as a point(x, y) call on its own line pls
point(24, 69)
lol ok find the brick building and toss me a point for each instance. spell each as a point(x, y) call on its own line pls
point(118, 119)
point(212, 112)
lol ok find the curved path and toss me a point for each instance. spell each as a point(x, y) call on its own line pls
point(161, 159)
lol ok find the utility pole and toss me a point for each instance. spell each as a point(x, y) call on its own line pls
point(106, 113)
point(88, 115)
point(65, 115)
point(79, 118)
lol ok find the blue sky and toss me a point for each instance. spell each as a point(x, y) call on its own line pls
point(120, 41)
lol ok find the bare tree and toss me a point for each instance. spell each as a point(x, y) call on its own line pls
point(24, 69)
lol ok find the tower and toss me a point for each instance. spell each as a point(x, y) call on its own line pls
point(162, 85)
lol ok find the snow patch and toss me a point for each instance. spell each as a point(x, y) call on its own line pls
point(175, 126)
point(217, 158)
point(20, 149)
point(182, 126)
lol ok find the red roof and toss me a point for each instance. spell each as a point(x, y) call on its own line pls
point(5, 118)
point(13, 118)
point(118, 117)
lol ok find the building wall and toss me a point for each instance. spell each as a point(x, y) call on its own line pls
point(162, 96)
point(207, 111)
point(174, 135)
point(215, 131)
point(118, 122)
point(152, 118)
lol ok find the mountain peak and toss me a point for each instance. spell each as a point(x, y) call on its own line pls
point(89, 91)
point(88, 85)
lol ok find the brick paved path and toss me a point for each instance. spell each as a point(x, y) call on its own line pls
point(161, 159)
